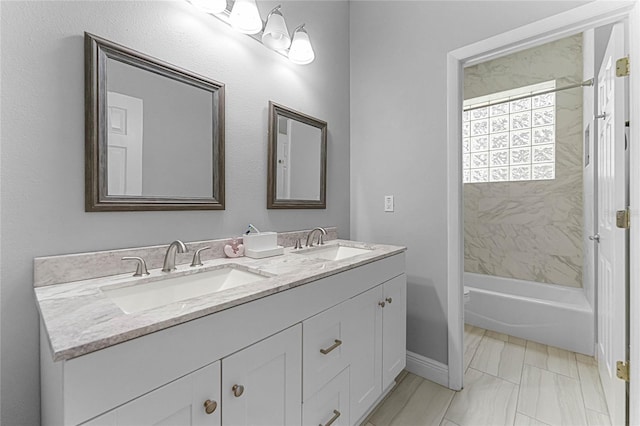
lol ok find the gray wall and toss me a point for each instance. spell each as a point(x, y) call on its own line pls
point(177, 150)
point(42, 170)
point(531, 230)
point(398, 135)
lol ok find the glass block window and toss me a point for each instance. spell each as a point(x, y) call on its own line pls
point(506, 137)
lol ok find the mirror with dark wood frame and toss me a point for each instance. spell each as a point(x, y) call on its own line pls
point(154, 133)
point(297, 160)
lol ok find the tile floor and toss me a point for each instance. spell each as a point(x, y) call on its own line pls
point(508, 381)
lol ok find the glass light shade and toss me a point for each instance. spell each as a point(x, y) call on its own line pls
point(276, 34)
point(210, 6)
point(301, 52)
point(245, 17)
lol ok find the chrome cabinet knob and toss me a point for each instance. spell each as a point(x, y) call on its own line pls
point(595, 238)
point(237, 390)
point(381, 304)
point(389, 300)
point(210, 406)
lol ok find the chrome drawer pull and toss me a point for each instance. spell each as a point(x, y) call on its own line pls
point(336, 414)
point(332, 347)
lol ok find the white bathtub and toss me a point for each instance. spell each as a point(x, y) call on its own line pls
point(555, 315)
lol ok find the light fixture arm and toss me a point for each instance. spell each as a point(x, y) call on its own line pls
point(275, 10)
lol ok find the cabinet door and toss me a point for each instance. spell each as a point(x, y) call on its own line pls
point(262, 384)
point(364, 334)
point(324, 346)
point(182, 402)
point(394, 326)
point(330, 405)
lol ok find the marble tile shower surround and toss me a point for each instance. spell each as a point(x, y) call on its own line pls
point(83, 266)
point(531, 230)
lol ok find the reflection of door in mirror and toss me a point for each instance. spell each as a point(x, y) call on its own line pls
point(299, 160)
point(305, 161)
point(282, 191)
point(124, 168)
point(177, 159)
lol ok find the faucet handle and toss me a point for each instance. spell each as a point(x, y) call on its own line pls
point(196, 256)
point(298, 244)
point(141, 268)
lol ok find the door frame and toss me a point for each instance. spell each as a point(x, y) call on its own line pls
point(555, 27)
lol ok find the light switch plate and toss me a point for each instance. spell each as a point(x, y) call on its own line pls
point(388, 203)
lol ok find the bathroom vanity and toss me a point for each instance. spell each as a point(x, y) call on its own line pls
point(315, 336)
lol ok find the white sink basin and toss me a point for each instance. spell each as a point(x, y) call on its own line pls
point(140, 297)
point(334, 252)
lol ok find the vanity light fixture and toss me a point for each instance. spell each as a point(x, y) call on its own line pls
point(243, 16)
point(301, 51)
point(276, 34)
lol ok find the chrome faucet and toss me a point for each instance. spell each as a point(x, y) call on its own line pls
point(310, 236)
point(170, 258)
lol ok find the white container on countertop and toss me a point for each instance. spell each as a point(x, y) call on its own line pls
point(258, 245)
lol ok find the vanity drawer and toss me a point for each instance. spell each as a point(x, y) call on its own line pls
point(330, 405)
point(323, 348)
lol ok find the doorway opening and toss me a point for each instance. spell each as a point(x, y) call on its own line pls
point(530, 37)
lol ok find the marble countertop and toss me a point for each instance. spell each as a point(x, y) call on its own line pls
point(79, 318)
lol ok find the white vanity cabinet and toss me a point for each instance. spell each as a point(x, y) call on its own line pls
point(364, 337)
point(261, 384)
point(366, 333)
point(394, 325)
point(192, 400)
point(299, 356)
point(330, 405)
point(324, 349)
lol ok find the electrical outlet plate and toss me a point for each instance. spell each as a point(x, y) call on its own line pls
point(388, 203)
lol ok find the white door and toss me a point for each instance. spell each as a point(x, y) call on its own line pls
point(262, 384)
point(364, 337)
point(394, 324)
point(124, 145)
point(612, 248)
point(191, 400)
point(283, 154)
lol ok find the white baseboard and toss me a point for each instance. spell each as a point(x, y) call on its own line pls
point(428, 368)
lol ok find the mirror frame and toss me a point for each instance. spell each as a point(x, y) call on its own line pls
point(97, 51)
point(273, 202)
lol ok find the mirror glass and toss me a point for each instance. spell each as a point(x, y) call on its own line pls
point(158, 133)
point(297, 151)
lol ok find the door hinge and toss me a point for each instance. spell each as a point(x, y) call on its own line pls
point(622, 370)
point(623, 218)
point(622, 67)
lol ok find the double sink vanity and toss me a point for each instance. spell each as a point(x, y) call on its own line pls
point(315, 336)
